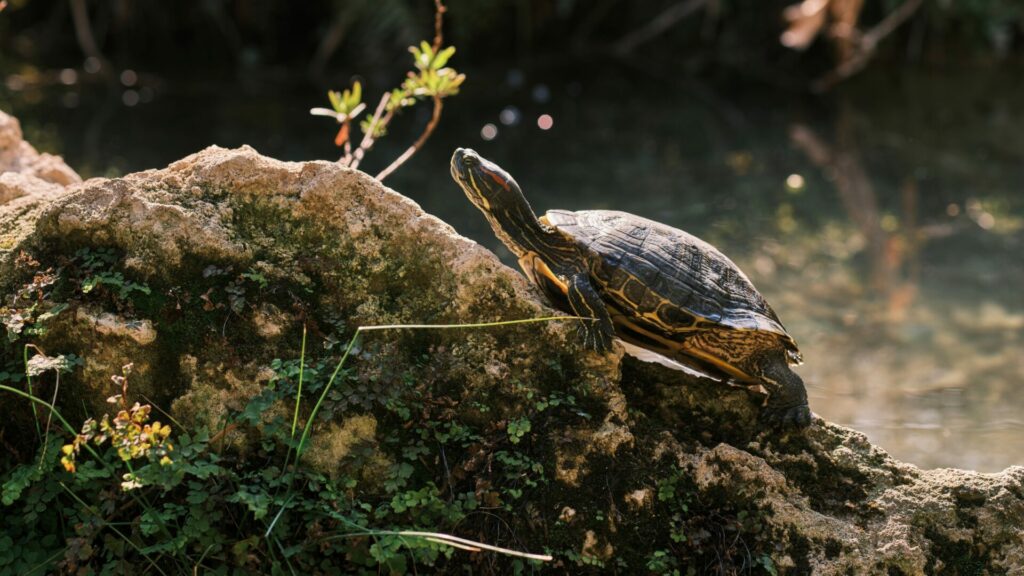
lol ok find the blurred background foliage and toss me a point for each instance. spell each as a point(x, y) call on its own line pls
point(862, 160)
point(213, 37)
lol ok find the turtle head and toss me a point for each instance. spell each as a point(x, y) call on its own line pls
point(497, 195)
point(488, 187)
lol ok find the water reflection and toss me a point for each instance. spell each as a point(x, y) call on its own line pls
point(930, 370)
point(887, 233)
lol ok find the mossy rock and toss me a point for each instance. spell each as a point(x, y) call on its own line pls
point(206, 272)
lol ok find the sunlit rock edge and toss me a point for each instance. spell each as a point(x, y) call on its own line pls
point(341, 247)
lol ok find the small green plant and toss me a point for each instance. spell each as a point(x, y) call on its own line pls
point(519, 473)
point(663, 563)
point(114, 281)
point(517, 429)
point(96, 265)
point(431, 79)
point(241, 292)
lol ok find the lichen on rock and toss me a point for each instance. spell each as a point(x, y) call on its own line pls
point(209, 269)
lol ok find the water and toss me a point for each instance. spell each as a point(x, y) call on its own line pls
point(885, 225)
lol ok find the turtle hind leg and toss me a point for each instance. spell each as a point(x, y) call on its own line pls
point(787, 397)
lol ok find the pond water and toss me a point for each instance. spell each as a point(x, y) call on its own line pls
point(885, 224)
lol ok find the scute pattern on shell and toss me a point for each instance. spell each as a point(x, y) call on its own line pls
point(671, 265)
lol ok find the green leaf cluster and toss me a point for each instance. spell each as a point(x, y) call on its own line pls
point(114, 281)
point(348, 102)
point(433, 78)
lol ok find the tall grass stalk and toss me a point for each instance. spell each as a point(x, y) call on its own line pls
point(53, 410)
point(49, 417)
point(28, 378)
point(298, 395)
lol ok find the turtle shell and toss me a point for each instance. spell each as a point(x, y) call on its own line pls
point(668, 281)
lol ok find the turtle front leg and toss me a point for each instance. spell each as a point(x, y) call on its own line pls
point(787, 397)
point(586, 303)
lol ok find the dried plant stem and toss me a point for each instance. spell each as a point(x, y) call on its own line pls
point(447, 540)
point(368, 138)
point(223, 432)
point(434, 118)
point(347, 159)
point(472, 545)
point(383, 115)
point(439, 10)
point(866, 46)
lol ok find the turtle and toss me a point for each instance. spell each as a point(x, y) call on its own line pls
point(647, 283)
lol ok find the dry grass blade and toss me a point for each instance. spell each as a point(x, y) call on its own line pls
point(466, 544)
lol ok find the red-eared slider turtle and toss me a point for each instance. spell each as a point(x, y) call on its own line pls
point(650, 284)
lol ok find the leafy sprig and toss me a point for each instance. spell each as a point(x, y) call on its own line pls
point(431, 79)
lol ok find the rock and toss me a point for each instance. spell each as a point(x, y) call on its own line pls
point(23, 198)
point(19, 156)
point(28, 181)
point(205, 272)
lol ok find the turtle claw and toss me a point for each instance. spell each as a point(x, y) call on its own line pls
point(787, 417)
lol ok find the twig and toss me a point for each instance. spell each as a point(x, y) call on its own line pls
point(866, 46)
point(435, 117)
point(439, 10)
point(657, 26)
point(368, 138)
point(381, 119)
point(890, 23)
point(347, 127)
point(230, 427)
